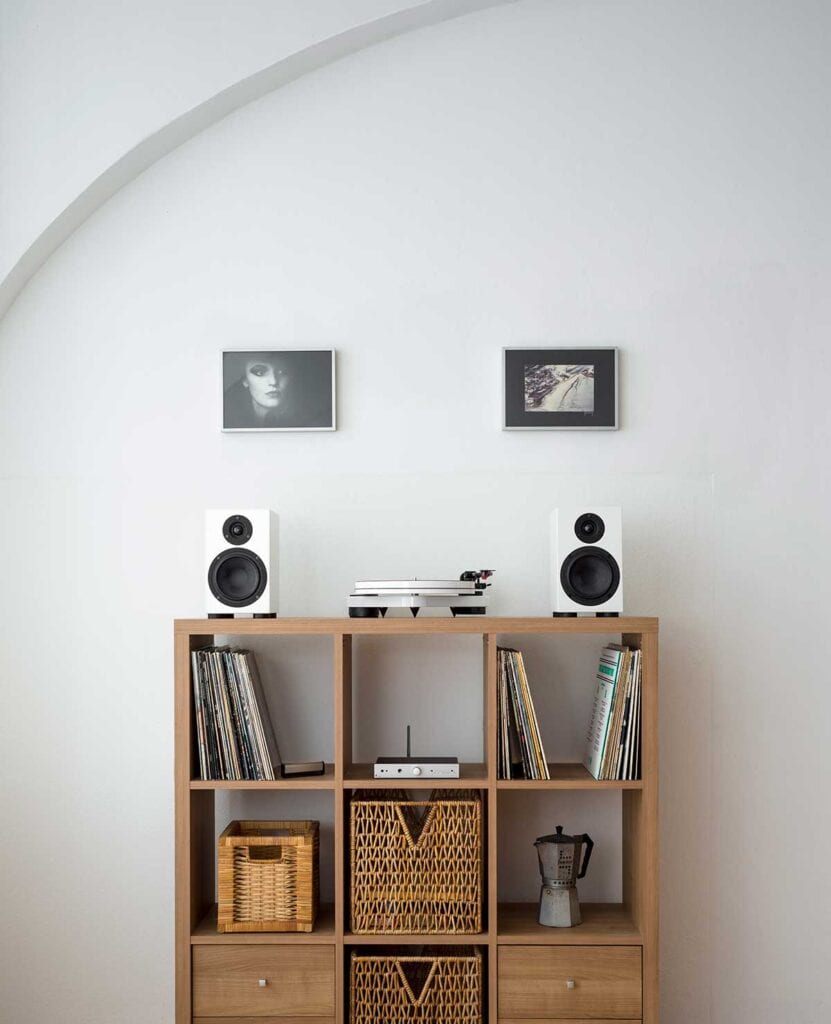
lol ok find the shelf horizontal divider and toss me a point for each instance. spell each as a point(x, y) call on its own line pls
point(359, 776)
point(325, 781)
point(568, 776)
point(205, 932)
point(396, 939)
point(428, 624)
point(602, 924)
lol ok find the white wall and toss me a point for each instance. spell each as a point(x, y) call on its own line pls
point(83, 81)
point(647, 175)
point(92, 94)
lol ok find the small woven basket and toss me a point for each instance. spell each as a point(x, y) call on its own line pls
point(268, 876)
point(416, 865)
point(440, 987)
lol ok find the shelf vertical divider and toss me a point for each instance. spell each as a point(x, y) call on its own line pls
point(640, 827)
point(649, 796)
point(489, 643)
point(194, 820)
point(343, 759)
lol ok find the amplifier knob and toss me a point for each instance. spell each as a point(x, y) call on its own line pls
point(416, 770)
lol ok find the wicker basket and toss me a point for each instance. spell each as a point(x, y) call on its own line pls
point(441, 987)
point(416, 865)
point(268, 876)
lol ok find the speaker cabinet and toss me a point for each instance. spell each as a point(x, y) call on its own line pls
point(586, 561)
point(241, 562)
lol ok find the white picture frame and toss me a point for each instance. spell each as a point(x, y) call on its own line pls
point(278, 390)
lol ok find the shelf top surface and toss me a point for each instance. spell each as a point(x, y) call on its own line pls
point(429, 624)
point(472, 776)
point(602, 923)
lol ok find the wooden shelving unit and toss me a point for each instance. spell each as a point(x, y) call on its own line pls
point(612, 957)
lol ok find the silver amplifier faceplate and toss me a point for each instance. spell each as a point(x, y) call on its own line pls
point(426, 768)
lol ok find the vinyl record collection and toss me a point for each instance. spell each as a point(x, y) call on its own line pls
point(613, 745)
point(234, 734)
point(520, 751)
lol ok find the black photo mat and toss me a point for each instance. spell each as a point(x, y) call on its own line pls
point(560, 388)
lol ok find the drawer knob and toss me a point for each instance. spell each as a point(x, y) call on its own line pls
point(570, 983)
point(263, 982)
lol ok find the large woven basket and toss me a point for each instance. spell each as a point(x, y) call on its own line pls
point(416, 865)
point(440, 987)
point(268, 876)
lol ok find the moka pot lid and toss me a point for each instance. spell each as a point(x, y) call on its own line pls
point(558, 837)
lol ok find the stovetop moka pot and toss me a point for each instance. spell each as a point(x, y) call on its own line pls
point(559, 859)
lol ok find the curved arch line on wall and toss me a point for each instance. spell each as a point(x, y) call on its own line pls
point(183, 128)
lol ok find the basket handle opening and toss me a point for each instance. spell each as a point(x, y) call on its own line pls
point(411, 974)
point(420, 826)
point(265, 852)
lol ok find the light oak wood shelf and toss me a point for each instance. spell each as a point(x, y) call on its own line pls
point(325, 781)
point(205, 932)
point(602, 924)
point(478, 939)
point(567, 776)
point(423, 625)
point(613, 941)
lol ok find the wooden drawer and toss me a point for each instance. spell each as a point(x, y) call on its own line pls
point(535, 983)
point(299, 982)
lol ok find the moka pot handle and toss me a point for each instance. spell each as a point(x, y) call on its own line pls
point(589, 847)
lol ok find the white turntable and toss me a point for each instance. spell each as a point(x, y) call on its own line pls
point(464, 596)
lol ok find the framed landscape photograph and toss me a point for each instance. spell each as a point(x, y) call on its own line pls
point(278, 389)
point(560, 389)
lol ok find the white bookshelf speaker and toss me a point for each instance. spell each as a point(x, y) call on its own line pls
point(241, 562)
point(586, 561)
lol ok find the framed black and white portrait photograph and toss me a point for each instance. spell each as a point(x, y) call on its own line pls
point(560, 389)
point(278, 389)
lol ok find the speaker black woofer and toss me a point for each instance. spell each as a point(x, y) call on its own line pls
point(590, 576)
point(237, 578)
